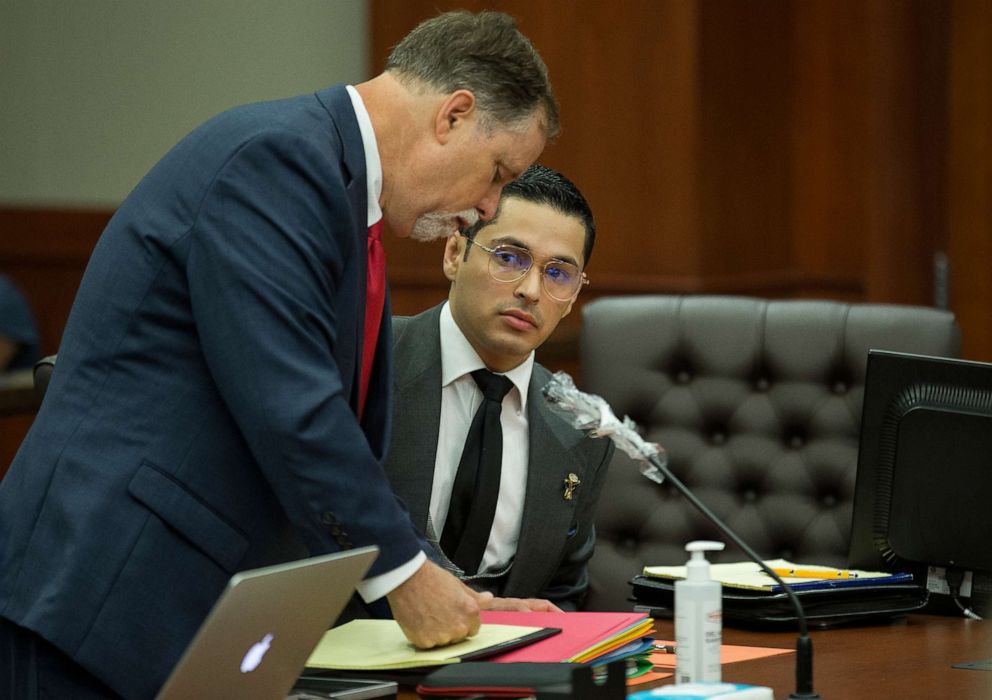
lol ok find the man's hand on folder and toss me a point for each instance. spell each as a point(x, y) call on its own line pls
point(522, 605)
point(433, 608)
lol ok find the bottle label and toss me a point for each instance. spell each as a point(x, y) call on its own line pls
point(699, 661)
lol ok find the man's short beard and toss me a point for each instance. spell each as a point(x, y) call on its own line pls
point(441, 224)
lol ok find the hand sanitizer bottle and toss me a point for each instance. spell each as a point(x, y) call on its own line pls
point(698, 618)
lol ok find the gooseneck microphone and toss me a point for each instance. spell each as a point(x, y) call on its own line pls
point(592, 414)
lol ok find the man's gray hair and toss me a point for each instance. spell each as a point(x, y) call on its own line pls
point(486, 54)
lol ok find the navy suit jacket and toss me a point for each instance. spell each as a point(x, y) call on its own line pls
point(557, 536)
point(201, 418)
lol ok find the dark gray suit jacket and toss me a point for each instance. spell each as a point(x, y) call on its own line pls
point(557, 535)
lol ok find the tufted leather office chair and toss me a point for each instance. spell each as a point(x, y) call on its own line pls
point(758, 404)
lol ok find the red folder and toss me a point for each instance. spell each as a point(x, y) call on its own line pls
point(580, 633)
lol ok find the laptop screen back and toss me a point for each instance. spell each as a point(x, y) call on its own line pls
point(254, 643)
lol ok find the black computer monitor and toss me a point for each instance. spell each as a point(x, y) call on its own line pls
point(923, 496)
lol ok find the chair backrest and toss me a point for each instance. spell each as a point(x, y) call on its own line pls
point(42, 375)
point(758, 404)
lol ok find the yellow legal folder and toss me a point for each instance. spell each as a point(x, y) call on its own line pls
point(379, 645)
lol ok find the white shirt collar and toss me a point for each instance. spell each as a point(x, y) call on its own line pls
point(459, 358)
point(373, 165)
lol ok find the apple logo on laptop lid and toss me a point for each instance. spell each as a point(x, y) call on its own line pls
point(255, 654)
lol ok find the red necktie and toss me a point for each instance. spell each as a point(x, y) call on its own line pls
point(375, 297)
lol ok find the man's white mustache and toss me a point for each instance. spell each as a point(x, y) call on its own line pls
point(441, 224)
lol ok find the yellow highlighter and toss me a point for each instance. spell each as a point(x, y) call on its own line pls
point(814, 573)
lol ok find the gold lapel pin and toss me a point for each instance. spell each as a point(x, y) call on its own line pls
point(571, 481)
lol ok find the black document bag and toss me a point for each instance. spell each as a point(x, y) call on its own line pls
point(826, 607)
point(544, 681)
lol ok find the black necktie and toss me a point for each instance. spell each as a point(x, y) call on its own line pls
point(476, 488)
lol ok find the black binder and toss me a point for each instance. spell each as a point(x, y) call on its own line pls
point(824, 607)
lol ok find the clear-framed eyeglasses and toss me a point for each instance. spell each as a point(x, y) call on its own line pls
point(509, 263)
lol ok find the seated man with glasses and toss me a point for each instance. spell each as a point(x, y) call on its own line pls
point(504, 489)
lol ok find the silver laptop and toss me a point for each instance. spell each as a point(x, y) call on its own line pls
point(254, 643)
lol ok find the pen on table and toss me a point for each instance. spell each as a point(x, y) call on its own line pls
point(667, 648)
point(814, 573)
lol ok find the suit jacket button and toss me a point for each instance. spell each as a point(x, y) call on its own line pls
point(327, 518)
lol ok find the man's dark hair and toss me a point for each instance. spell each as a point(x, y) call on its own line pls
point(542, 185)
point(483, 53)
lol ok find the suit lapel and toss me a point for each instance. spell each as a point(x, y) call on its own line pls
point(338, 104)
point(418, 390)
point(547, 516)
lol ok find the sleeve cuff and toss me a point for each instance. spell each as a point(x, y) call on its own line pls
point(372, 589)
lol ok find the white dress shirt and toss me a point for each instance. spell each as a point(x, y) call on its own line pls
point(377, 586)
point(460, 397)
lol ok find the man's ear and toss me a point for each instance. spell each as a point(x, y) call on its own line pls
point(456, 112)
point(568, 309)
point(454, 249)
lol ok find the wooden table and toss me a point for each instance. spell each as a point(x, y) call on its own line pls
point(907, 659)
point(910, 658)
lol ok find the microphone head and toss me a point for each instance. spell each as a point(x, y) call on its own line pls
point(591, 413)
point(549, 395)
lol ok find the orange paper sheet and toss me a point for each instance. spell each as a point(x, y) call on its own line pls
point(729, 654)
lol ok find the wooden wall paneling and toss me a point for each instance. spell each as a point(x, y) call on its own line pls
point(929, 54)
point(45, 251)
point(970, 174)
point(627, 78)
point(746, 115)
point(12, 432)
point(829, 135)
point(904, 194)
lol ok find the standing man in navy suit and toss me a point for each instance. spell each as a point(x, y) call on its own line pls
point(207, 413)
point(513, 278)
